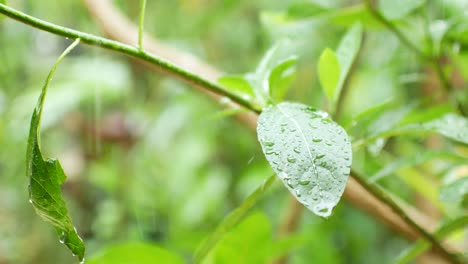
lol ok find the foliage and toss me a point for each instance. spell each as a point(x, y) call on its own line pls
point(157, 174)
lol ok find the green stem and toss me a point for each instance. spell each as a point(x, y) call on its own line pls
point(141, 24)
point(395, 30)
point(383, 196)
point(165, 66)
point(232, 220)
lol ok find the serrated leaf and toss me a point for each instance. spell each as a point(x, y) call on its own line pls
point(237, 84)
point(309, 152)
point(329, 73)
point(46, 176)
point(346, 53)
point(398, 9)
point(135, 252)
point(455, 192)
point(280, 78)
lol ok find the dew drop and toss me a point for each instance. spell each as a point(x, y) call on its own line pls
point(304, 182)
point(268, 143)
point(316, 140)
point(291, 160)
point(320, 156)
point(297, 150)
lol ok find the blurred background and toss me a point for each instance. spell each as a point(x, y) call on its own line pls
point(151, 159)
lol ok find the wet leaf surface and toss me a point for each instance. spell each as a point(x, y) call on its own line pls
point(309, 152)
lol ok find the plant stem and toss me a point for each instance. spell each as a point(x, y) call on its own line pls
point(394, 29)
point(141, 24)
point(166, 66)
point(375, 190)
point(232, 220)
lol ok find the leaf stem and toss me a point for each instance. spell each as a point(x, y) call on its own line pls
point(164, 65)
point(394, 29)
point(141, 24)
point(376, 191)
point(232, 220)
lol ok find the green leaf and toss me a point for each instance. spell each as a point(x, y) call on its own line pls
point(346, 53)
point(231, 221)
point(277, 57)
point(329, 73)
point(135, 252)
point(304, 10)
point(437, 30)
point(422, 245)
point(309, 152)
point(333, 68)
point(455, 192)
point(407, 162)
point(281, 77)
point(353, 14)
point(46, 176)
point(237, 84)
point(249, 242)
point(452, 126)
point(398, 9)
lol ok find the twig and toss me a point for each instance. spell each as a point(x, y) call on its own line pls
point(398, 210)
point(166, 66)
point(394, 29)
point(141, 24)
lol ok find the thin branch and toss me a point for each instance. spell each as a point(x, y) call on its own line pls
point(166, 66)
point(394, 29)
point(141, 24)
point(398, 210)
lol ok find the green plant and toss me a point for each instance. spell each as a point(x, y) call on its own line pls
point(309, 149)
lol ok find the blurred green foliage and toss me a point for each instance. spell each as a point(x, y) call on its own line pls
point(149, 159)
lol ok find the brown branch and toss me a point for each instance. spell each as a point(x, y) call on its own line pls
point(118, 27)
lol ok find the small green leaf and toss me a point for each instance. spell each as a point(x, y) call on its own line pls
point(249, 242)
point(231, 221)
point(305, 10)
point(407, 162)
point(398, 9)
point(237, 84)
point(309, 152)
point(437, 30)
point(346, 53)
point(452, 126)
point(46, 176)
point(329, 73)
point(135, 252)
point(455, 192)
point(278, 54)
point(281, 77)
